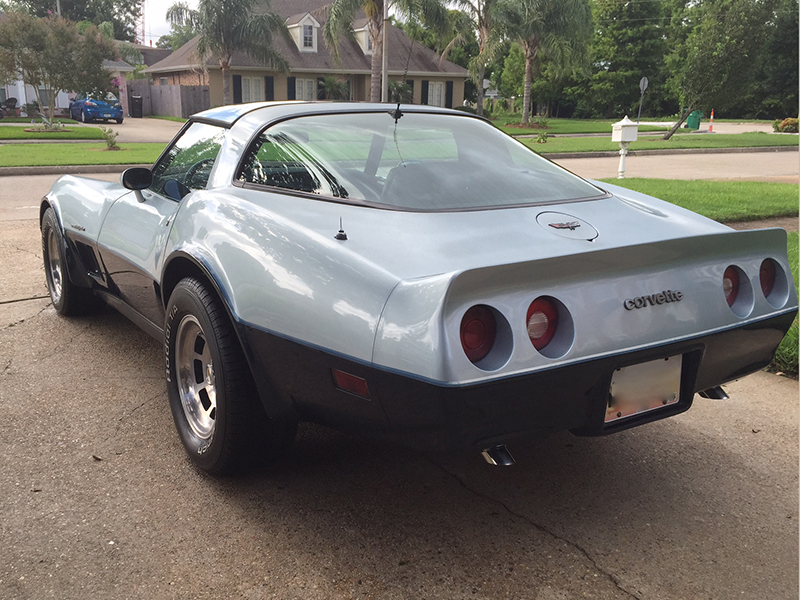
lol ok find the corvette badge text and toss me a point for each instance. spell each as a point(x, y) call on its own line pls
point(653, 299)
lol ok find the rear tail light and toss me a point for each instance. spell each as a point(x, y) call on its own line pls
point(730, 284)
point(542, 322)
point(478, 332)
point(767, 276)
point(90, 103)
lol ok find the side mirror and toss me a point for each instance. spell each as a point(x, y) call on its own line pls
point(137, 178)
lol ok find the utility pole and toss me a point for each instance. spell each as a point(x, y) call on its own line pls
point(385, 54)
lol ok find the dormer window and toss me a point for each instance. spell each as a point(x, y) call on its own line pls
point(304, 29)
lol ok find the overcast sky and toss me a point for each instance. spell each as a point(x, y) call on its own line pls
point(155, 22)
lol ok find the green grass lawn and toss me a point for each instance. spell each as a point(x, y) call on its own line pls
point(706, 140)
point(38, 120)
point(786, 358)
point(13, 132)
point(721, 200)
point(21, 155)
point(561, 126)
point(176, 119)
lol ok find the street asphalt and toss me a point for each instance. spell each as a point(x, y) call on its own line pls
point(99, 501)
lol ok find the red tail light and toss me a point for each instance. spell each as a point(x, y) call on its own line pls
point(730, 284)
point(478, 332)
point(542, 322)
point(767, 276)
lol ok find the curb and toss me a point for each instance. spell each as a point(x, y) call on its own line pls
point(66, 169)
point(610, 153)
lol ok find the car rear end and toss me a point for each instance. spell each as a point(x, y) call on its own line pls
point(594, 342)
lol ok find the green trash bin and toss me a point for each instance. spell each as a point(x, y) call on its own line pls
point(693, 120)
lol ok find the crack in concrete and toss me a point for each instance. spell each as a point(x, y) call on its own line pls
point(129, 414)
point(23, 250)
point(8, 366)
point(610, 576)
point(24, 299)
point(21, 321)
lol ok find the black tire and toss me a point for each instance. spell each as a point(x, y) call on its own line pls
point(68, 298)
point(119, 121)
point(84, 118)
point(214, 402)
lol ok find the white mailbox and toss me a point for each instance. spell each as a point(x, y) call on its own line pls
point(624, 131)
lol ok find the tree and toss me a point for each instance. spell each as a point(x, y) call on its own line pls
point(456, 42)
point(177, 37)
point(340, 24)
point(722, 43)
point(558, 29)
point(477, 17)
point(123, 14)
point(51, 56)
point(228, 26)
point(629, 43)
point(333, 88)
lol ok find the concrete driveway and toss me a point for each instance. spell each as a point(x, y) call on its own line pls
point(142, 130)
point(99, 500)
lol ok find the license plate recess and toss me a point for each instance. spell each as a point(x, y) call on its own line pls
point(644, 387)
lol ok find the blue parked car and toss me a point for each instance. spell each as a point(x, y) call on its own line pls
point(87, 109)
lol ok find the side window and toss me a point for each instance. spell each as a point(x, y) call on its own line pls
point(283, 161)
point(187, 165)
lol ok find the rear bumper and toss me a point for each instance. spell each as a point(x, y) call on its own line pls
point(100, 113)
point(427, 415)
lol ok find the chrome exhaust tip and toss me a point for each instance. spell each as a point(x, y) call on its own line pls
point(715, 393)
point(498, 456)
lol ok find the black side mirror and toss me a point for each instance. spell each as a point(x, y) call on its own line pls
point(137, 178)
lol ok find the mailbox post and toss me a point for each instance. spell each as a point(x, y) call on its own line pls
point(624, 132)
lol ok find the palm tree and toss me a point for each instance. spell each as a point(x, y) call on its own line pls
point(560, 29)
point(340, 23)
point(333, 88)
point(228, 26)
point(476, 15)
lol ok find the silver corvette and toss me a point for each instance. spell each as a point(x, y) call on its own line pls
point(410, 273)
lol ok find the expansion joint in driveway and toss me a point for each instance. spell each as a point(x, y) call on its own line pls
point(23, 299)
point(610, 576)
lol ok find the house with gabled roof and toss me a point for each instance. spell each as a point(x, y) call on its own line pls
point(432, 81)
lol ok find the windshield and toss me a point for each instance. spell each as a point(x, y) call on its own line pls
point(421, 162)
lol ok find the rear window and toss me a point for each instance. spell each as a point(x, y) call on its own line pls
point(421, 162)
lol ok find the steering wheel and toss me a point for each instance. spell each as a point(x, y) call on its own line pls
point(201, 169)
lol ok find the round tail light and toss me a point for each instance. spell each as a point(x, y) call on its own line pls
point(542, 322)
point(730, 284)
point(767, 276)
point(478, 332)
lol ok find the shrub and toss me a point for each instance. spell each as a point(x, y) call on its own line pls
point(110, 137)
point(540, 123)
point(468, 109)
point(788, 126)
point(541, 138)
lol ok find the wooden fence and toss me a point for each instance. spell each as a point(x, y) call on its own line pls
point(169, 100)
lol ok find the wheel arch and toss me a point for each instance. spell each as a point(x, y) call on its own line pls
point(180, 265)
point(74, 266)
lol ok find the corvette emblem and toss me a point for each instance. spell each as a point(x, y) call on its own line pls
point(653, 299)
point(572, 225)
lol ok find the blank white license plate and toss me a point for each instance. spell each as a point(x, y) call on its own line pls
point(644, 387)
point(107, 116)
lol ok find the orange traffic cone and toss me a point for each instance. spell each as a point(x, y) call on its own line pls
point(711, 123)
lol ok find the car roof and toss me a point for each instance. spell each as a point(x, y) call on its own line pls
point(226, 116)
